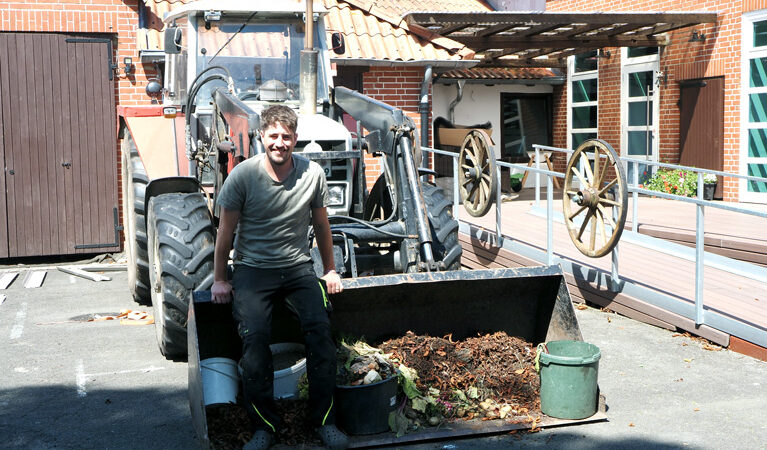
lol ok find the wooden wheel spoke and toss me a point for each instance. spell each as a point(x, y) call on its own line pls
point(593, 236)
point(579, 176)
point(603, 172)
point(477, 194)
point(587, 167)
point(607, 217)
point(601, 226)
point(585, 222)
point(607, 188)
point(609, 202)
point(596, 166)
point(572, 216)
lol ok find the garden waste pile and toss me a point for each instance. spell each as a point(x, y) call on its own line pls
point(490, 377)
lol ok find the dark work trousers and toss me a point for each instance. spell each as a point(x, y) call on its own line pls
point(255, 293)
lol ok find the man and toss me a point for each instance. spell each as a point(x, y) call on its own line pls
point(271, 199)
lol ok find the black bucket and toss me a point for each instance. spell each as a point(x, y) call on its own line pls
point(365, 409)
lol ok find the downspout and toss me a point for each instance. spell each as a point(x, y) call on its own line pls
point(141, 14)
point(423, 108)
point(454, 103)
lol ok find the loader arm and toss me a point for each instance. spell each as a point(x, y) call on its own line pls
point(242, 121)
point(391, 132)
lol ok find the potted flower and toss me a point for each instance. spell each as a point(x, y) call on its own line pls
point(709, 186)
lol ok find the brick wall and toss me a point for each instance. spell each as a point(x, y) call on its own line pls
point(719, 55)
point(398, 87)
point(118, 18)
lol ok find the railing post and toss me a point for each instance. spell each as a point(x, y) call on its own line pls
point(635, 200)
point(456, 196)
point(615, 278)
point(498, 235)
point(699, 255)
point(549, 220)
point(537, 177)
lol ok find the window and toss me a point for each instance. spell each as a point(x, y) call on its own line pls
point(526, 120)
point(753, 153)
point(639, 108)
point(582, 98)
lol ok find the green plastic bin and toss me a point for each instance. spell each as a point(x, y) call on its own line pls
point(568, 371)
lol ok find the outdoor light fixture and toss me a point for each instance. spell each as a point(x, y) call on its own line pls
point(128, 61)
point(603, 53)
point(697, 37)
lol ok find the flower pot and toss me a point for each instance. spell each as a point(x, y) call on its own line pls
point(708, 191)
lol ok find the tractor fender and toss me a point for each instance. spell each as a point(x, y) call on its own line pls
point(169, 185)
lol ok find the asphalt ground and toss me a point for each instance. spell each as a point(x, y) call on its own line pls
point(69, 384)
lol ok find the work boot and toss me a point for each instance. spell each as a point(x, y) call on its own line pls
point(332, 437)
point(261, 440)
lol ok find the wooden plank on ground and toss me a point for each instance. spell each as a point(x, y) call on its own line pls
point(7, 278)
point(83, 274)
point(34, 279)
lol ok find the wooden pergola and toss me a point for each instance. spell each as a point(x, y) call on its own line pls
point(546, 39)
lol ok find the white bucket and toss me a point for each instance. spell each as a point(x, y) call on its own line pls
point(286, 379)
point(220, 380)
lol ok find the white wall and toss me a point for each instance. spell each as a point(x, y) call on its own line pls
point(479, 104)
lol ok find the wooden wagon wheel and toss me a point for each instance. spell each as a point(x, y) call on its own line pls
point(590, 209)
point(476, 173)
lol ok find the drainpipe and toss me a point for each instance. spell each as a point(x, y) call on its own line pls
point(454, 103)
point(423, 107)
point(141, 15)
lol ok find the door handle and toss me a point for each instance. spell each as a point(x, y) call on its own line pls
point(67, 164)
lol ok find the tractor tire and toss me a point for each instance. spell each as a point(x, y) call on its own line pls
point(134, 182)
point(444, 228)
point(181, 238)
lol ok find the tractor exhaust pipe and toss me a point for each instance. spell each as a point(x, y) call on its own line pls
point(308, 96)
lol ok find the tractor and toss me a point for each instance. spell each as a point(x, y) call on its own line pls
point(396, 245)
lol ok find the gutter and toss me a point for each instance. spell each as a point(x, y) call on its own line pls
point(553, 81)
point(442, 64)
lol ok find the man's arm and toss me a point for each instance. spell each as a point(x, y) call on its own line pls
point(221, 292)
point(325, 245)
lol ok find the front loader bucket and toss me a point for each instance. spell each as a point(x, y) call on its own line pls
point(532, 303)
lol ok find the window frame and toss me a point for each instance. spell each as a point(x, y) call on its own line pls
point(749, 52)
point(573, 76)
point(647, 63)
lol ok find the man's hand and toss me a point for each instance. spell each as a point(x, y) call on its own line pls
point(333, 281)
point(221, 292)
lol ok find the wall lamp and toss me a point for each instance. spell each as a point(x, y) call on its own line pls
point(129, 67)
point(697, 36)
point(603, 53)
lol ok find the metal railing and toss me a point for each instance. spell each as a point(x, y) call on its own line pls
point(635, 190)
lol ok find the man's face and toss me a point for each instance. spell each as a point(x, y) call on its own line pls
point(278, 142)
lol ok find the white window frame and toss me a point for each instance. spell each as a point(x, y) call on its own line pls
point(749, 53)
point(628, 66)
point(572, 76)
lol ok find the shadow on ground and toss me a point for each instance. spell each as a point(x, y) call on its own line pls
point(57, 417)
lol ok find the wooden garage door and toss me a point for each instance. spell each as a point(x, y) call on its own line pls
point(57, 144)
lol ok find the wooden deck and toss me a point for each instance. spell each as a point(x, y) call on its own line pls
point(659, 288)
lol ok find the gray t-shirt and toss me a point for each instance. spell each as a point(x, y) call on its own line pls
point(274, 216)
